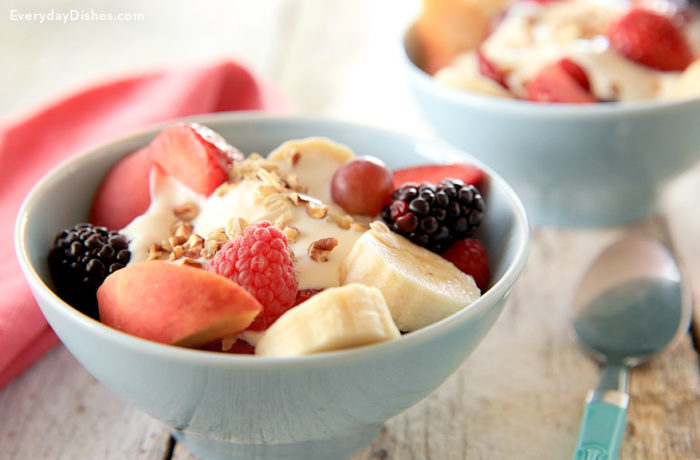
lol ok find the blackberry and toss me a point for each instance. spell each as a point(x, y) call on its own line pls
point(80, 260)
point(435, 216)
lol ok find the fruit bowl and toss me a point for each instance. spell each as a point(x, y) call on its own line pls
point(572, 165)
point(220, 405)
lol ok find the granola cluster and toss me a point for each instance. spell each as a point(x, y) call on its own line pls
point(277, 193)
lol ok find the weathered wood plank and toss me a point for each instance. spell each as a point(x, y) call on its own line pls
point(520, 395)
point(57, 410)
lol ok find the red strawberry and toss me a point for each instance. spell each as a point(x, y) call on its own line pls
point(195, 155)
point(470, 256)
point(488, 69)
point(576, 72)
point(555, 83)
point(469, 174)
point(650, 39)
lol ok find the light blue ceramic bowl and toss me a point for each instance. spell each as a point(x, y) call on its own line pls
point(571, 165)
point(231, 406)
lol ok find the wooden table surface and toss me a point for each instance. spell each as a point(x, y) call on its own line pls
point(518, 396)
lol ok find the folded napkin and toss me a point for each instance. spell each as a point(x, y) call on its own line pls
point(29, 147)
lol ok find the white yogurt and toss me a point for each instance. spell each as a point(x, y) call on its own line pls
point(317, 161)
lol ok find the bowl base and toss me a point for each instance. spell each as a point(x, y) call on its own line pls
point(325, 449)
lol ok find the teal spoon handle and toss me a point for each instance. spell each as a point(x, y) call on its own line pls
point(603, 426)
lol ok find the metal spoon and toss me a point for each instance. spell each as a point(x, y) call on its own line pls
point(630, 305)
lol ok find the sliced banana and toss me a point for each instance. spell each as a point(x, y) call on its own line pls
point(336, 318)
point(419, 286)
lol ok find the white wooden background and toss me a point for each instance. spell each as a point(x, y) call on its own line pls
point(519, 396)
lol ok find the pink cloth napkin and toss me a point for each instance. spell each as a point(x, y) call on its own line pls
point(29, 147)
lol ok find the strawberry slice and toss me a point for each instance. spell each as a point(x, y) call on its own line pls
point(576, 72)
point(650, 39)
point(470, 256)
point(469, 174)
point(489, 70)
point(554, 83)
point(195, 155)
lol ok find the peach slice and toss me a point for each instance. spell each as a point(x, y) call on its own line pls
point(174, 304)
point(124, 192)
point(446, 28)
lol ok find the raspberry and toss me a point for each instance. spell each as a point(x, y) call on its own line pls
point(435, 216)
point(258, 260)
point(650, 39)
point(470, 256)
point(80, 260)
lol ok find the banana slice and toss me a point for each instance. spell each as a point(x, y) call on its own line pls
point(336, 318)
point(419, 286)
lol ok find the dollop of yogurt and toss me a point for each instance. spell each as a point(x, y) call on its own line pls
point(290, 188)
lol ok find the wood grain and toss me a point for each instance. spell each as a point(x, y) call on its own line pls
point(521, 393)
point(57, 410)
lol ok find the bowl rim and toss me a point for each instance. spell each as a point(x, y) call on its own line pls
point(500, 289)
point(459, 97)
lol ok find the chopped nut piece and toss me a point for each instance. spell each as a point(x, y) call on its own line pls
point(210, 248)
point(297, 198)
point(178, 251)
point(343, 222)
point(182, 229)
point(317, 212)
point(176, 241)
point(187, 211)
point(195, 243)
point(190, 253)
point(291, 233)
point(156, 251)
point(294, 157)
point(319, 249)
point(191, 262)
point(165, 245)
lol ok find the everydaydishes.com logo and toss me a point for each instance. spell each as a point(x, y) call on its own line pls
point(73, 15)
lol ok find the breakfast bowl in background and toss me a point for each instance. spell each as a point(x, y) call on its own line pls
point(222, 405)
point(591, 164)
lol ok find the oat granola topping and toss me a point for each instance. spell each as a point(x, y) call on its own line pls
point(291, 233)
point(317, 212)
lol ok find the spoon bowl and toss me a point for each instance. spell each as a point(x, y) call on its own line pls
point(630, 306)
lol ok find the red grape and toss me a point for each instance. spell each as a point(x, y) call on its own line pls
point(362, 186)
